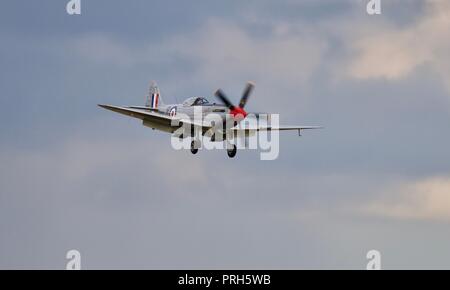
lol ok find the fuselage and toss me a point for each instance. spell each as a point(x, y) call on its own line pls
point(193, 106)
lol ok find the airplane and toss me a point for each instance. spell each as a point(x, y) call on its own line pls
point(164, 117)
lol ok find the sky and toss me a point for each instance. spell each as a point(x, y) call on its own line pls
point(74, 176)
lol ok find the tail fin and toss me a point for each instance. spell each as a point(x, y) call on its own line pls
point(154, 96)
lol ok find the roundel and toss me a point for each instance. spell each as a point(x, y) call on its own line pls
point(173, 111)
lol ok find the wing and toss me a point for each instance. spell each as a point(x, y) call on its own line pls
point(271, 128)
point(158, 120)
point(143, 108)
point(138, 113)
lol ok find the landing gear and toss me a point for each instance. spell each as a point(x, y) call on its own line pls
point(232, 151)
point(195, 144)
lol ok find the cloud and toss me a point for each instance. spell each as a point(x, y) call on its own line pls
point(287, 54)
point(427, 199)
point(223, 48)
point(102, 48)
point(392, 52)
point(102, 170)
point(132, 195)
point(215, 51)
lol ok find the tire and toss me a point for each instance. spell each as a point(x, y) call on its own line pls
point(193, 149)
point(232, 152)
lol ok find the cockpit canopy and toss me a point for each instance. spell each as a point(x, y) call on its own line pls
point(195, 101)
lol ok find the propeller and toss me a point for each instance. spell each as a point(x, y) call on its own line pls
point(236, 112)
point(224, 99)
point(248, 90)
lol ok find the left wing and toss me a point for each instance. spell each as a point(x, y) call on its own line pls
point(272, 128)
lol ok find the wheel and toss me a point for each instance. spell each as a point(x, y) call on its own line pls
point(232, 152)
point(194, 147)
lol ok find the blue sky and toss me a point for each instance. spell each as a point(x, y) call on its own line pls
point(75, 176)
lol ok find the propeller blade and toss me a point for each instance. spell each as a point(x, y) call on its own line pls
point(219, 94)
point(247, 91)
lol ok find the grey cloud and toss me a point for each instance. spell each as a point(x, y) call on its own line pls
point(74, 176)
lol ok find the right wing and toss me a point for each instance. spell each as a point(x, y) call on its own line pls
point(138, 113)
